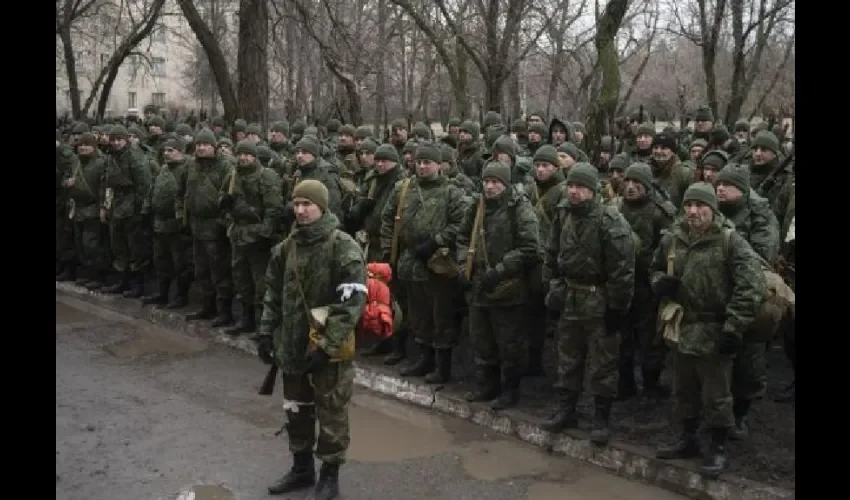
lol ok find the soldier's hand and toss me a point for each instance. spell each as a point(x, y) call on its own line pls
point(226, 202)
point(667, 286)
point(69, 182)
point(426, 249)
point(729, 343)
point(490, 280)
point(317, 360)
point(265, 348)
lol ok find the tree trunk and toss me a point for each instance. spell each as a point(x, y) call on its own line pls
point(253, 61)
point(71, 71)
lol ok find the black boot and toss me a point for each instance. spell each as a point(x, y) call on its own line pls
point(98, 278)
point(716, 460)
point(626, 387)
point(382, 346)
point(180, 300)
point(301, 475)
point(69, 273)
point(565, 416)
point(83, 275)
point(246, 321)
point(137, 286)
point(225, 313)
point(399, 348)
point(510, 389)
point(741, 409)
point(535, 363)
point(686, 446)
point(120, 287)
point(651, 385)
point(328, 486)
point(207, 310)
point(423, 365)
point(601, 431)
point(160, 298)
point(443, 371)
point(489, 384)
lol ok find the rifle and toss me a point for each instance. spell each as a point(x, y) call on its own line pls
point(767, 184)
point(267, 389)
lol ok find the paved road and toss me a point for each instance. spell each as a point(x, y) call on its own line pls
point(145, 413)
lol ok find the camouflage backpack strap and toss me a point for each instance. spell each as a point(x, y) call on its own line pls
point(665, 205)
point(405, 187)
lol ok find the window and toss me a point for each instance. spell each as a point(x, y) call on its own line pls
point(131, 100)
point(158, 99)
point(158, 66)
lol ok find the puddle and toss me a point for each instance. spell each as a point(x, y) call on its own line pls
point(66, 314)
point(598, 485)
point(155, 340)
point(206, 492)
point(495, 460)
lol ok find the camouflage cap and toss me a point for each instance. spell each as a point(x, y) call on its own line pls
point(547, 153)
point(492, 118)
point(584, 174)
point(347, 130)
point(176, 143)
point(368, 145)
point(246, 147)
point(735, 175)
point(640, 172)
point(183, 129)
point(239, 125)
point(386, 152)
point(205, 136)
point(118, 132)
point(702, 192)
point(333, 125)
point(767, 140)
point(281, 126)
point(428, 151)
point(313, 190)
point(363, 131)
point(618, 162)
point(254, 128)
point(498, 170)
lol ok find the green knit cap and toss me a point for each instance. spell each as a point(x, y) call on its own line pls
point(312, 190)
point(547, 153)
point(386, 152)
point(640, 172)
point(703, 192)
point(736, 175)
point(584, 174)
point(499, 170)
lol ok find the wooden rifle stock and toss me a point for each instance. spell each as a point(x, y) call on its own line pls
point(267, 389)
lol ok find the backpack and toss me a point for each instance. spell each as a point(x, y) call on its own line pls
point(379, 316)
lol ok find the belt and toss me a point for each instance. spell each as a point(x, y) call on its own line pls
point(586, 288)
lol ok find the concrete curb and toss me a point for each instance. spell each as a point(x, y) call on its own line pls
point(626, 460)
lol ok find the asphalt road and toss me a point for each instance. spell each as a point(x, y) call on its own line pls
point(145, 413)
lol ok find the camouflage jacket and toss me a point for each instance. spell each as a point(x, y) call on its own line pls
point(432, 208)
point(648, 217)
point(722, 283)
point(508, 241)
point(87, 189)
point(65, 161)
point(522, 178)
point(327, 174)
point(549, 195)
point(674, 180)
point(322, 267)
point(162, 202)
point(591, 253)
point(777, 191)
point(128, 175)
point(154, 158)
point(378, 187)
point(469, 160)
point(754, 220)
point(257, 204)
point(198, 199)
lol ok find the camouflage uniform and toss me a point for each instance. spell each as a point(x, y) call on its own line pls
point(590, 261)
point(88, 233)
point(66, 262)
point(776, 189)
point(322, 171)
point(469, 153)
point(672, 178)
point(506, 248)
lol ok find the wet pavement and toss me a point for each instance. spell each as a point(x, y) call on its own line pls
point(146, 413)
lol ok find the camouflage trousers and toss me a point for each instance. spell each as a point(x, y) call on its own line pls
point(498, 335)
point(212, 267)
point(65, 249)
point(541, 322)
point(641, 329)
point(89, 243)
point(322, 396)
point(130, 250)
point(701, 385)
point(249, 263)
point(749, 371)
point(584, 343)
point(171, 256)
point(431, 307)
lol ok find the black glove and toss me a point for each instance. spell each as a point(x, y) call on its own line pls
point(265, 348)
point(317, 360)
point(361, 209)
point(426, 249)
point(490, 280)
point(729, 344)
point(667, 286)
point(614, 321)
point(226, 202)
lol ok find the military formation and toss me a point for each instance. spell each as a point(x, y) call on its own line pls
point(658, 251)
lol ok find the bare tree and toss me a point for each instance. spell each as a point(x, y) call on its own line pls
point(68, 12)
point(252, 62)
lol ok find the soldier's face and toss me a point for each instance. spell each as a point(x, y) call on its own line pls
point(400, 134)
point(741, 135)
point(535, 119)
point(504, 158)
point(118, 143)
point(172, 154)
point(617, 177)
point(240, 135)
point(578, 193)
point(426, 168)
point(254, 138)
point(703, 125)
point(543, 170)
point(225, 150)
point(762, 155)
point(218, 129)
point(246, 159)
point(384, 166)
point(133, 138)
point(566, 160)
point(464, 136)
point(346, 140)
point(604, 157)
point(728, 193)
point(304, 157)
point(698, 215)
point(367, 158)
point(634, 190)
point(559, 135)
point(534, 137)
point(85, 149)
point(204, 150)
point(454, 130)
point(492, 187)
point(696, 152)
point(306, 212)
point(579, 135)
point(644, 141)
point(155, 130)
point(277, 137)
point(709, 173)
point(661, 153)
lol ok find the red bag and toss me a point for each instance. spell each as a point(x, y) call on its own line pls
point(377, 318)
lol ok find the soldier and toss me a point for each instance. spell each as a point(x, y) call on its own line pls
point(346, 155)
point(742, 133)
point(755, 222)
point(421, 218)
point(185, 133)
point(84, 188)
point(312, 166)
point(499, 240)
point(642, 152)
point(448, 167)
point(407, 157)
point(297, 130)
point(224, 147)
point(519, 132)
point(366, 161)
point(156, 140)
point(695, 153)
point(766, 177)
point(703, 124)
point(668, 171)
point(250, 195)
point(536, 133)
point(128, 182)
point(362, 133)
point(240, 128)
point(710, 164)
point(469, 150)
point(197, 201)
point(717, 282)
point(253, 132)
point(279, 141)
point(66, 261)
point(590, 261)
point(559, 131)
point(265, 156)
point(317, 266)
point(453, 126)
point(616, 177)
point(398, 136)
point(648, 214)
point(504, 149)
point(171, 242)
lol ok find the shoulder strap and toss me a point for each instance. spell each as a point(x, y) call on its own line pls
point(671, 255)
point(473, 238)
point(405, 186)
point(291, 246)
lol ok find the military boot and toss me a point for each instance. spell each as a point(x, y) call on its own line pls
point(301, 475)
point(443, 370)
point(601, 431)
point(246, 321)
point(741, 410)
point(423, 365)
point(207, 310)
point(535, 363)
point(137, 285)
point(489, 384)
point(652, 387)
point(159, 298)
point(225, 313)
point(716, 460)
point(181, 299)
point(626, 386)
point(328, 486)
point(84, 276)
point(69, 273)
point(565, 416)
point(98, 278)
point(382, 346)
point(120, 287)
point(686, 446)
point(399, 348)
point(510, 389)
